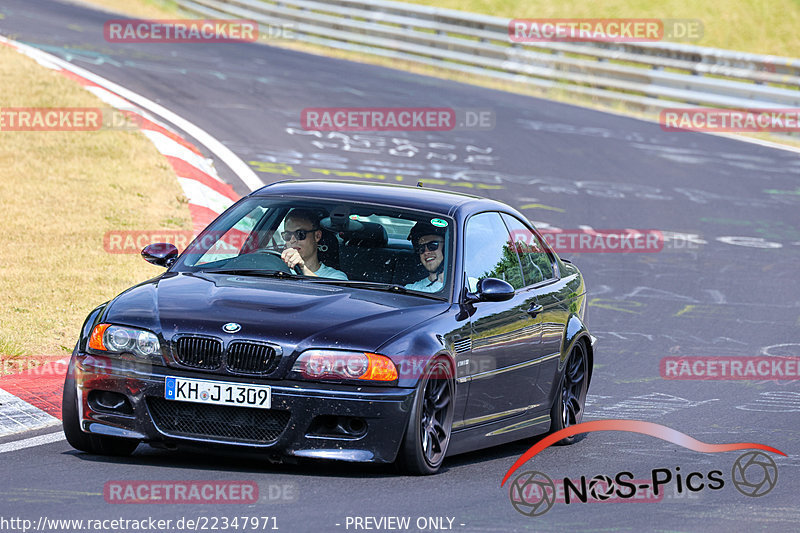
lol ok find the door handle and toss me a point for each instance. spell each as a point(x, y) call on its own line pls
point(535, 310)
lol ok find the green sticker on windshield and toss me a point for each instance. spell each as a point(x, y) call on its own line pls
point(438, 222)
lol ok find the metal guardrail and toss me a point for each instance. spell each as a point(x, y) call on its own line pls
point(651, 75)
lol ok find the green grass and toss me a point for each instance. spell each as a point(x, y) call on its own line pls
point(758, 26)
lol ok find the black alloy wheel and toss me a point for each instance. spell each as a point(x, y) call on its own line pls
point(569, 405)
point(428, 433)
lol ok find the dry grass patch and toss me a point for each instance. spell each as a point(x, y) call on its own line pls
point(60, 193)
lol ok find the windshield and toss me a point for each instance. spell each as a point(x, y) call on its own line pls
point(331, 241)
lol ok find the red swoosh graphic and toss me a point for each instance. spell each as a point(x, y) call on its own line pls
point(634, 426)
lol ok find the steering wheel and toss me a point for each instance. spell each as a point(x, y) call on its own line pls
point(262, 260)
point(283, 266)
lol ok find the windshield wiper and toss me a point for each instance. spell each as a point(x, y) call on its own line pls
point(252, 272)
point(375, 285)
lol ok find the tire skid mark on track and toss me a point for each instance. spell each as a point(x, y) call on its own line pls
point(31, 400)
point(642, 407)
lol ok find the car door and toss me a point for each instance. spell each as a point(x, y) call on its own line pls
point(505, 337)
point(548, 294)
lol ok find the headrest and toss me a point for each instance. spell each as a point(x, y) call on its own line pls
point(372, 235)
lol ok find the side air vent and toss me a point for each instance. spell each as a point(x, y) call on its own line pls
point(463, 345)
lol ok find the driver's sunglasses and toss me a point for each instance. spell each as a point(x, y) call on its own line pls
point(432, 246)
point(300, 234)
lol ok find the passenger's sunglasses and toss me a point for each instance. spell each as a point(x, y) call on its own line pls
point(300, 234)
point(432, 246)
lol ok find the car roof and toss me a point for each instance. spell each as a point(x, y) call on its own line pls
point(422, 198)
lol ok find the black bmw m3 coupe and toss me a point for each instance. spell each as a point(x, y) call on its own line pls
point(336, 320)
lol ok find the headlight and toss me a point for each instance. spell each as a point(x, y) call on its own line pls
point(332, 364)
point(120, 339)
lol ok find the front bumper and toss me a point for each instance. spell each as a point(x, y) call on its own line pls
point(305, 419)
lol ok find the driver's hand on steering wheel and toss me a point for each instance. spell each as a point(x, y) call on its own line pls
point(292, 258)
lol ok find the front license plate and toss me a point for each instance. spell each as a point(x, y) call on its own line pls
point(217, 392)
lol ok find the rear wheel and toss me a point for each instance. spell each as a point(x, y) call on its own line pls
point(571, 399)
point(86, 442)
point(429, 425)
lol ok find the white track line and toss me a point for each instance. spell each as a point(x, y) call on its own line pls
point(31, 442)
point(222, 152)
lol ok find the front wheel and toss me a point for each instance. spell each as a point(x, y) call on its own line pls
point(85, 442)
point(571, 399)
point(430, 422)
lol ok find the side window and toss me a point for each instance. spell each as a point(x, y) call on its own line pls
point(488, 251)
point(537, 264)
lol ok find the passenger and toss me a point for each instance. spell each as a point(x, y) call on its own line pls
point(428, 241)
point(302, 235)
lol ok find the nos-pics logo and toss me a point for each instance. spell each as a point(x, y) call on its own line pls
point(533, 493)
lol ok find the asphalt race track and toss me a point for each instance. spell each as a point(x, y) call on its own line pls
point(725, 284)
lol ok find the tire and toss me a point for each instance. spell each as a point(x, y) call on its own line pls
point(85, 442)
point(570, 401)
point(430, 422)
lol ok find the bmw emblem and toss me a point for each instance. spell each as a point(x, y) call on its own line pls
point(231, 327)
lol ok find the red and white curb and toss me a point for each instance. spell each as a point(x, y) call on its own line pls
point(32, 399)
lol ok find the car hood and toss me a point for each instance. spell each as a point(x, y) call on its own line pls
point(292, 313)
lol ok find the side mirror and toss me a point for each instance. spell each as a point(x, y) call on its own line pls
point(491, 290)
point(160, 254)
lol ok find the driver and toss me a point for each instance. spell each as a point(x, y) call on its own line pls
point(302, 235)
point(428, 242)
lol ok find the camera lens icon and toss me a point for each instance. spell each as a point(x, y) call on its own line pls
point(532, 493)
point(754, 474)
